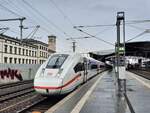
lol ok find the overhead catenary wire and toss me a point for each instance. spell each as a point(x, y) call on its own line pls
point(85, 37)
point(137, 21)
point(60, 10)
point(95, 37)
point(29, 18)
point(146, 31)
point(103, 25)
point(12, 12)
point(103, 31)
point(47, 19)
point(67, 18)
point(138, 28)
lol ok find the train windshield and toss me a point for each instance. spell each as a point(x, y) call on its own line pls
point(56, 61)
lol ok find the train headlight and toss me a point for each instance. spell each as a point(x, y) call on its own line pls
point(60, 71)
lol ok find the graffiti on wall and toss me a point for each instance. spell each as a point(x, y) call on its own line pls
point(11, 73)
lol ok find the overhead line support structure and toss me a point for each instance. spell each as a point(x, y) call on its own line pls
point(120, 52)
point(21, 24)
point(74, 42)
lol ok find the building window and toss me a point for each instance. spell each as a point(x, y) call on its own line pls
point(15, 60)
point(19, 60)
point(19, 51)
point(5, 48)
point(10, 48)
point(35, 54)
point(32, 61)
point(5, 59)
point(40, 54)
point(27, 52)
point(23, 51)
point(10, 60)
point(26, 61)
point(44, 55)
point(32, 53)
point(15, 50)
point(22, 61)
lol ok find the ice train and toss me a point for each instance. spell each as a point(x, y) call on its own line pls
point(62, 73)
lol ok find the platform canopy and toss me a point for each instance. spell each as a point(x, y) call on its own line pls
point(139, 49)
point(101, 55)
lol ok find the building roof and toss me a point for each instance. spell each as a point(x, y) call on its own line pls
point(33, 41)
point(29, 42)
point(2, 36)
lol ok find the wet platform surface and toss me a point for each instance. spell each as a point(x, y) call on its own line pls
point(104, 98)
point(138, 93)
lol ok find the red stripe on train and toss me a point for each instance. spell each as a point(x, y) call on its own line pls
point(60, 87)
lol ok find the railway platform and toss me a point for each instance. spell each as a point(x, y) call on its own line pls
point(99, 95)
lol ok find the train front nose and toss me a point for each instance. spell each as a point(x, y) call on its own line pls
point(48, 85)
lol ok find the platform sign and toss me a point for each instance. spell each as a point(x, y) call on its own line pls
point(122, 72)
point(121, 50)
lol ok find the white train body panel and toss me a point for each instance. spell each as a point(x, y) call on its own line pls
point(62, 73)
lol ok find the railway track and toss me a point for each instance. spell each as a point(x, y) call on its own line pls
point(15, 88)
point(19, 102)
point(20, 97)
point(144, 74)
point(28, 102)
point(41, 105)
point(2, 86)
point(13, 93)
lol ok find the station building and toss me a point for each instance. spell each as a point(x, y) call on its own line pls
point(26, 51)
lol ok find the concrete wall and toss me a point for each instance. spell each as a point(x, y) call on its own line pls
point(17, 72)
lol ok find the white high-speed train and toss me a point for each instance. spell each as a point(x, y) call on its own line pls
point(62, 73)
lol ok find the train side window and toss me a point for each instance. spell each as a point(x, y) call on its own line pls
point(79, 67)
point(93, 66)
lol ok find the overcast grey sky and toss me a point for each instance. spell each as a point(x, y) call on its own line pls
point(58, 17)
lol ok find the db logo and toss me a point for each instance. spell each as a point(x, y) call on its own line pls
point(49, 73)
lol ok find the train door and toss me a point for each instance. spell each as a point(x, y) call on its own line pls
point(85, 70)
